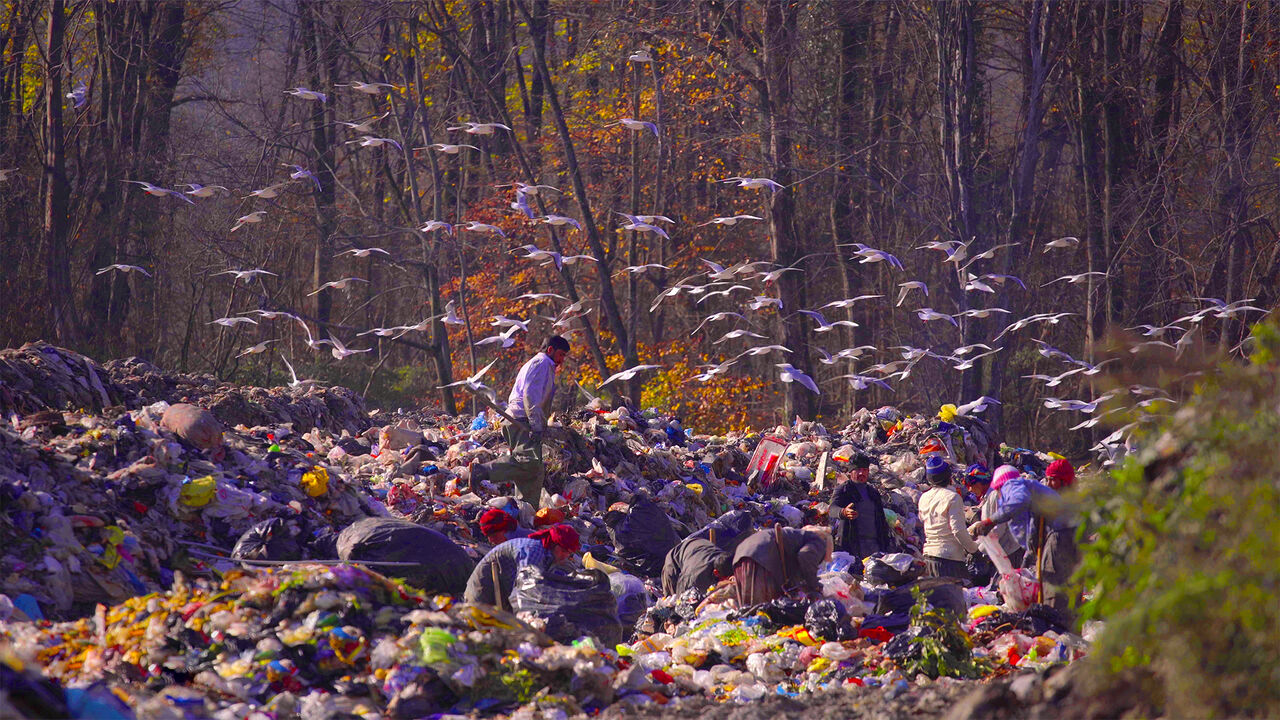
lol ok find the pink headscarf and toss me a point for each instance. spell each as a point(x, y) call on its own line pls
point(1002, 475)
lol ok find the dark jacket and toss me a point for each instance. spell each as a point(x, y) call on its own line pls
point(691, 564)
point(509, 557)
point(804, 551)
point(845, 532)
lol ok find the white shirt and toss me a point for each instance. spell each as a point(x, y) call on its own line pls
point(531, 394)
point(945, 534)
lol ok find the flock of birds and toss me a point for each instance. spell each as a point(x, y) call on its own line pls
point(745, 285)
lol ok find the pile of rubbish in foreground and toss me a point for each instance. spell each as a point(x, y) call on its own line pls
point(179, 548)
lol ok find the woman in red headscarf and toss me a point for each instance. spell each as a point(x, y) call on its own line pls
point(546, 547)
point(499, 526)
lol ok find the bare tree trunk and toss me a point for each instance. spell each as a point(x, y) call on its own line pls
point(777, 52)
point(321, 61)
point(1040, 55)
point(62, 322)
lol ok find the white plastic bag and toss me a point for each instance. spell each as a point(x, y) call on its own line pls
point(1019, 589)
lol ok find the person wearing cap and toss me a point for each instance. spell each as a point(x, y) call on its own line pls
point(857, 514)
point(1044, 526)
point(769, 562)
point(499, 526)
point(987, 489)
point(543, 548)
point(530, 404)
point(946, 538)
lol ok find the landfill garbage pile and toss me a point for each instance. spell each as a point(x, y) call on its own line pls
point(39, 376)
point(173, 529)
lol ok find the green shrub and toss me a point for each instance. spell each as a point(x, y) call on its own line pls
point(1185, 564)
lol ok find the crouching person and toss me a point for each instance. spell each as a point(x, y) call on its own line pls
point(771, 562)
point(546, 547)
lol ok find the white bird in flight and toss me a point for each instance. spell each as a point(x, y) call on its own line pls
point(977, 406)
point(364, 126)
point(373, 141)
point(635, 125)
point(1062, 242)
point(790, 373)
point(449, 149)
point(849, 302)
point(730, 220)
point(122, 268)
point(79, 96)
point(233, 321)
point(157, 191)
point(735, 334)
point(472, 381)
point(433, 225)
point(472, 128)
point(629, 373)
point(204, 191)
point(268, 192)
point(753, 183)
point(255, 349)
point(907, 287)
point(640, 56)
point(253, 217)
point(342, 352)
point(295, 382)
point(246, 275)
point(475, 226)
point(363, 252)
point(374, 88)
point(560, 220)
point(929, 314)
point(1076, 279)
point(305, 94)
point(636, 224)
point(342, 284)
point(506, 338)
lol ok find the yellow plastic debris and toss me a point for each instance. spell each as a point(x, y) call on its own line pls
point(315, 481)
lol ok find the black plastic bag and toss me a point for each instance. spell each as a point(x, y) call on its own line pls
point(730, 529)
point(901, 647)
point(784, 611)
point(32, 695)
point(828, 620)
point(938, 592)
point(892, 569)
point(437, 563)
point(572, 604)
point(642, 536)
point(1040, 618)
point(267, 540)
point(980, 569)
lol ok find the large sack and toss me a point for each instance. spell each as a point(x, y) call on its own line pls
point(193, 424)
point(730, 529)
point(642, 536)
point(572, 604)
point(439, 565)
point(267, 540)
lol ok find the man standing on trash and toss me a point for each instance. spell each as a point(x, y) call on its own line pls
point(530, 404)
point(1040, 521)
point(857, 514)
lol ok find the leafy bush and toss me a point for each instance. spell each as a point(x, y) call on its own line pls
point(1183, 567)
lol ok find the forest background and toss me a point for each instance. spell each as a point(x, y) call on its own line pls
point(1147, 130)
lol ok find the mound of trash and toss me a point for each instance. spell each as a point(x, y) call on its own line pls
point(183, 548)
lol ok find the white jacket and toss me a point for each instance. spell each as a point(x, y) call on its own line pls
point(945, 534)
